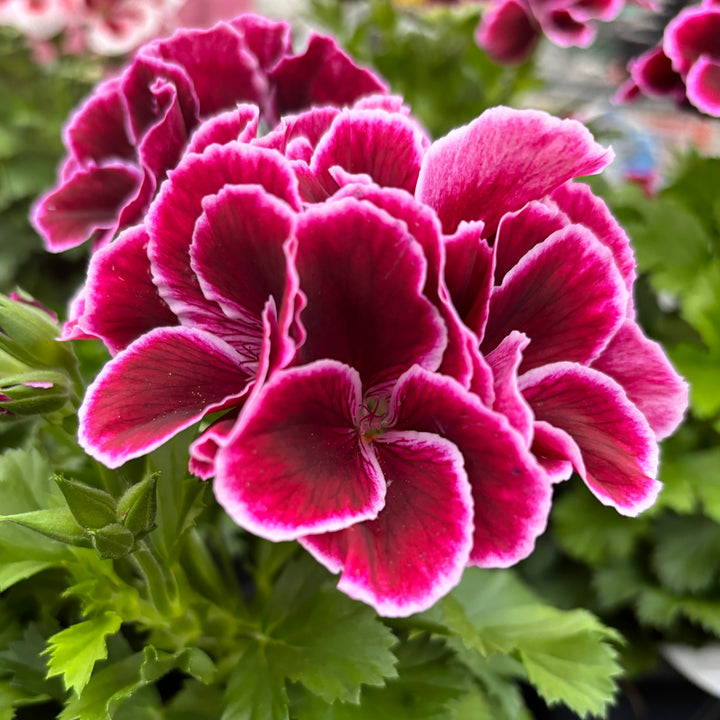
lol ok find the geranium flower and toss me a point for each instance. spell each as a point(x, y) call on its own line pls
point(136, 126)
point(685, 66)
point(510, 29)
point(406, 341)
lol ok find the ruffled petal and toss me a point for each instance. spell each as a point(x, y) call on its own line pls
point(87, 202)
point(643, 370)
point(387, 147)
point(322, 75)
point(580, 205)
point(505, 360)
point(296, 463)
point(618, 446)
point(241, 258)
point(511, 492)
point(240, 123)
point(694, 32)
point(161, 384)
point(121, 301)
point(97, 130)
point(267, 40)
point(566, 295)
point(502, 160)
point(204, 450)
point(172, 217)
point(417, 548)
point(363, 275)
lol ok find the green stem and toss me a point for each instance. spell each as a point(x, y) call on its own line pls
point(161, 584)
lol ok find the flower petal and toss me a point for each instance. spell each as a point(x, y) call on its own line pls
point(204, 450)
point(643, 370)
point(172, 217)
point(296, 463)
point(566, 295)
point(581, 206)
point(505, 360)
point(121, 301)
point(240, 123)
point(618, 446)
point(87, 202)
point(162, 383)
point(387, 147)
point(502, 160)
point(363, 275)
point(416, 549)
point(703, 85)
point(511, 492)
point(322, 75)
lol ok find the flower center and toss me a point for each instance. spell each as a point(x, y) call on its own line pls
point(373, 417)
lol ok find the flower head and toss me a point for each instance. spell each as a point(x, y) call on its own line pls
point(407, 341)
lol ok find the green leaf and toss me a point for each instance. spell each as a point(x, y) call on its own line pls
point(429, 678)
point(120, 680)
point(568, 655)
point(91, 507)
point(325, 640)
point(685, 553)
point(592, 532)
point(54, 523)
point(256, 687)
point(75, 650)
point(700, 470)
point(700, 368)
point(195, 701)
point(137, 508)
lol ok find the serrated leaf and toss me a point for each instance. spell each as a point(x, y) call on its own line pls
point(75, 650)
point(568, 655)
point(429, 678)
point(331, 644)
point(700, 470)
point(592, 532)
point(120, 680)
point(256, 688)
point(685, 553)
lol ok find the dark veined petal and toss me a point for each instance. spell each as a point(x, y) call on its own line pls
point(172, 217)
point(87, 202)
point(296, 463)
point(121, 301)
point(363, 274)
point(618, 446)
point(693, 33)
point(204, 450)
point(511, 492)
point(505, 360)
point(566, 295)
point(415, 551)
point(650, 381)
point(162, 383)
point(387, 147)
point(502, 160)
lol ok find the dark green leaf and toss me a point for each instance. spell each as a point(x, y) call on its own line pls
point(91, 507)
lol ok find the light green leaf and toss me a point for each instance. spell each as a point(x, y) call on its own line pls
point(700, 470)
point(568, 655)
point(54, 523)
point(700, 368)
point(120, 680)
point(75, 650)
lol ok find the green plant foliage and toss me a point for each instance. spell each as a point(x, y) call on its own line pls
point(75, 650)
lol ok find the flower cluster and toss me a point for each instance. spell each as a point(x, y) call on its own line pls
point(403, 343)
point(685, 65)
point(510, 29)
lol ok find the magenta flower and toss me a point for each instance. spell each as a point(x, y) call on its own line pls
point(510, 29)
point(685, 66)
point(406, 342)
point(136, 126)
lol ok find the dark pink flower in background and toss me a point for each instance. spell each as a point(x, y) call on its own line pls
point(510, 29)
point(685, 65)
point(407, 341)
